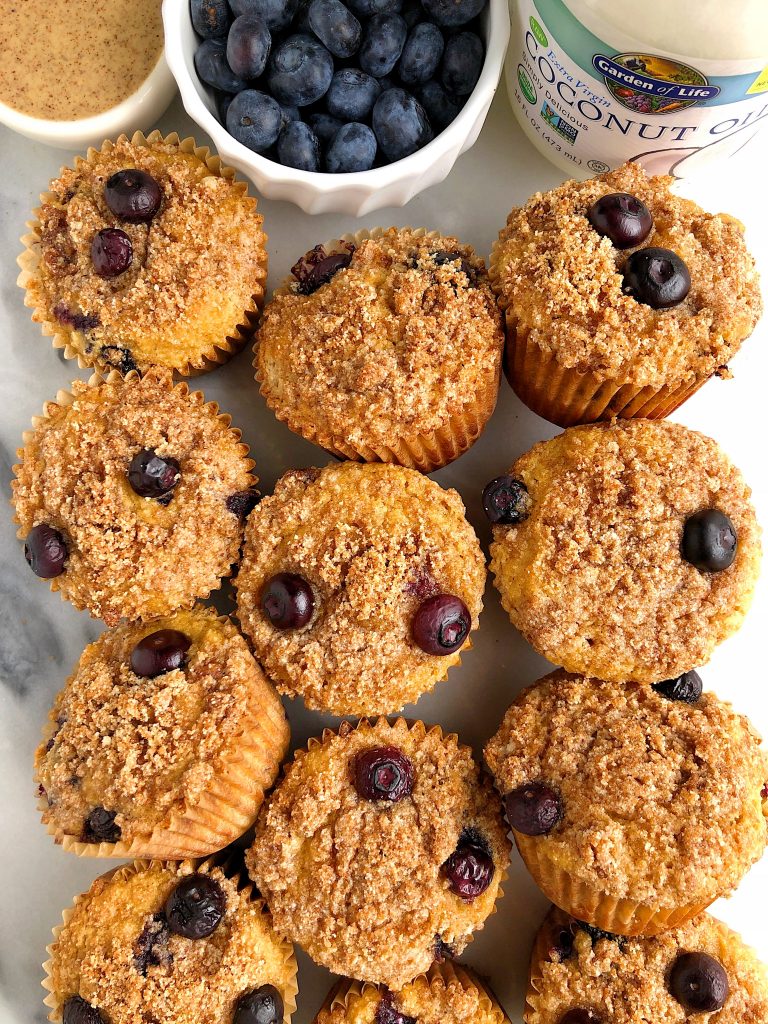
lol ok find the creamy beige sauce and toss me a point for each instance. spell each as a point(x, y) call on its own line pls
point(66, 59)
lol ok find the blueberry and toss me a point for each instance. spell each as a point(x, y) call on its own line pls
point(196, 906)
point(133, 195)
point(212, 67)
point(383, 773)
point(453, 12)
point(533, 809)
point(421, 54)
point(45, 551)
point(223, 99)
point(687, 688)
point(462, 63)
point(100, 827)
point(383, 42)
point(709, 540)
point(254, 119)
point(157, 653)
point(623, 218)
point(657, 277)
point(290, 113)
point(400, 123)
point(442, 108)
point(78, 1011)
point(152, 475)
point(324, 126)
point(351, 95)
point(387, 1012)
point(412, 12)
point(242, 503)
point(470, 868)
point(699, 983)
point(353, 148)
point(297, 146)
point(300, 70)
point(578, 1015)
point(248, 45)
point(278, 14)
point(210, 18)
point(288, 601)
point(111, 252)
point(441, 624)
point(368, 8)
point(263, 1005)
point(506, 501)
point(335, 27)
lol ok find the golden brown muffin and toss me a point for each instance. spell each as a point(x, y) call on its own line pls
point(582, 341)
point(359, 586)
point(130, 496)
point(598, 573)
point(388, 350)
point(446, 994)
point(615, 790)
point(181, 283)
point(701, 972)
point(171, 944)
point(162, 742)
point(381, 850)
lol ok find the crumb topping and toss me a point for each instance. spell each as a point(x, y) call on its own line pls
point(195, 271)
point(395, 343)
point(374, 541)
point(357, 882)
point(626, 982)
point(186, 981)
point(561, 284)
point(594, 578)
point(638, 772)
point(149, 748)
point(129, 556)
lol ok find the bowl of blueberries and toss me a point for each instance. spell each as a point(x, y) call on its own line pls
point(339, 106)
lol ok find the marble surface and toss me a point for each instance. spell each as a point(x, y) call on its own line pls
point(41, 637)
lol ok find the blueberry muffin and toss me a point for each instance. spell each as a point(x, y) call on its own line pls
point(620, 298)
point(446, 994)
point(131, 494)
point(146, 253)
point(699, 972)
point(386, 348)
point(614, 790)
point(171, 944)
point(381, 850)
point(359, 586)
point(162, 741)
point(624, 551)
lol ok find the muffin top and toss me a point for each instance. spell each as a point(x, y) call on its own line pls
point(170, 944)
point(393, 345)
point(659, 979)
point(563, 282)
point(381, 846)
point(196, 263)
point(372, 544)
point(597, 574)
point(150, 719)
point(93, 471)
point(446, 994)
point(647, 786)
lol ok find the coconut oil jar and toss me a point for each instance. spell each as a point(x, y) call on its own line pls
point(673, 85)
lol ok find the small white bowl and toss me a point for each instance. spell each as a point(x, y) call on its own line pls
point(358, 193)
point(138, 111)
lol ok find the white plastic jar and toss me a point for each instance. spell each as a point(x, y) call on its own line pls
point(673, 84)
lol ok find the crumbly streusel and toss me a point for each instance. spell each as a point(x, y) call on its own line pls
point(392, 346)
point(197, 267)
point(99, 952)
point(132, 557)
point(561, 283)
point(649, 786)
point(625, 981)
point(374, 541)
point(358, 883)
point(594, 578)
point(151, 748)
point(446, 994)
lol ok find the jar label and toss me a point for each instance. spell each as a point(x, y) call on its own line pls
point(598, 107)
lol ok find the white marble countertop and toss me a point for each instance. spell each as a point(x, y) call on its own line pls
point(41, 637)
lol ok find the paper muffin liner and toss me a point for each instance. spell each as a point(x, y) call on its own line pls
point(64, 399)
point(425, 451)
point(231, 801)
point(420, 730)
point(591, 905)
point(54, 1004)
point(440, 975)
point(566, 396)
point(71, 341)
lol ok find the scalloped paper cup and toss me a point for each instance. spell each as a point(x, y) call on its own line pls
point(64, 399)
point(72, 341)
point(423, 451)
point(231, 801)
point(54, 1004)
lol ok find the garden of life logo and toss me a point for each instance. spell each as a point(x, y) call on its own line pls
point(653, 85)
point(526, 84)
